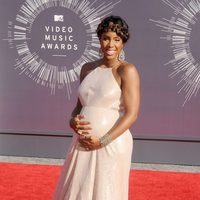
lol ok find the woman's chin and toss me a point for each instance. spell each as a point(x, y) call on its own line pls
point(110, 57)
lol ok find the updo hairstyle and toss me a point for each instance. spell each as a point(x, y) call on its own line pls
point(115, 24)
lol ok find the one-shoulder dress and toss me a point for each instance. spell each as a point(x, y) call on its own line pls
point(101, 174)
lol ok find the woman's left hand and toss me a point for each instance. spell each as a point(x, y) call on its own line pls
point(89, 142)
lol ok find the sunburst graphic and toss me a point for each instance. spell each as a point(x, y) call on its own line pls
point(178, 31)
point(31, 64)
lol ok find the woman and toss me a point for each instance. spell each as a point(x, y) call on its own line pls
point(98, 162)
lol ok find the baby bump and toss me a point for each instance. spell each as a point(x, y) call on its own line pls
point(101, 119)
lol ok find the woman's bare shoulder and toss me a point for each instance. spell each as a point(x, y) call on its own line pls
point(87, 68)
point(126, 69)
point(88, 65)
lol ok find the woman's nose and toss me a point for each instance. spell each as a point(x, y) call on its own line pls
point(111, 43)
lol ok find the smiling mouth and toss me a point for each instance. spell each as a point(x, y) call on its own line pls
point(110, 52)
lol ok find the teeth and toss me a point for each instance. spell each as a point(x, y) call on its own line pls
point(110, 52)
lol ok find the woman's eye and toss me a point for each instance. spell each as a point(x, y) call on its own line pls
point(118, 39)
point(108, 39)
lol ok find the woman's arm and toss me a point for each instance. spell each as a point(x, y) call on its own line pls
point(130, 85)
point(80, 127)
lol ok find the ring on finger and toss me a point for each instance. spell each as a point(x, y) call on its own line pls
point(85, 137)
point(79, 132)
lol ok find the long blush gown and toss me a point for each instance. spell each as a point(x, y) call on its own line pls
point(101, 174)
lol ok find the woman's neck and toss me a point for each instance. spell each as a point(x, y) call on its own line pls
point(110, 63)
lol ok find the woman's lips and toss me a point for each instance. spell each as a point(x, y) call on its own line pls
point(110, 52)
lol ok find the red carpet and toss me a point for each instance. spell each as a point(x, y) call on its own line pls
point(37, 182)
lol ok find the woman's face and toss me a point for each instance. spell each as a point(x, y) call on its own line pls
point(111, 45)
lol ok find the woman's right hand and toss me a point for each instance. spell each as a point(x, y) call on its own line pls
point(80, 126)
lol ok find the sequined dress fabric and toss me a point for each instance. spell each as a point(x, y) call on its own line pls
point(101, 174)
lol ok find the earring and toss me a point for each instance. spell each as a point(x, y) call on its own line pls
point(121, 55)
point(100, 53)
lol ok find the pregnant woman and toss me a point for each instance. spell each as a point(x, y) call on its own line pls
point(98, 162)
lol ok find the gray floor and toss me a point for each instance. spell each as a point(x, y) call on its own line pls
point(142, 166)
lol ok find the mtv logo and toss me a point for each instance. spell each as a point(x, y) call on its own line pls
point(58, 18)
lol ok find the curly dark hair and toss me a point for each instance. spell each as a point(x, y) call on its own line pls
point(115, 24)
